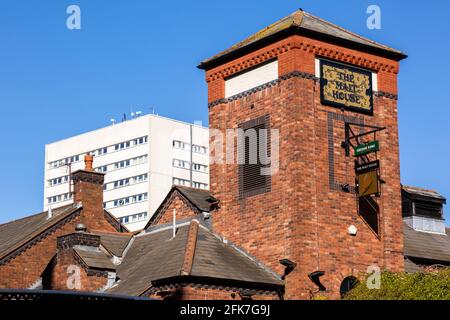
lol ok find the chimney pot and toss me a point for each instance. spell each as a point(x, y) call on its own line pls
point(80, 228)
point(88, 161)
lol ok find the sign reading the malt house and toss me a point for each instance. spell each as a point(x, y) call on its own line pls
point(346, 87)
point(367, 178)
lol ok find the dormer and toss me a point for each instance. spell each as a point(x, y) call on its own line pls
point(423, 210)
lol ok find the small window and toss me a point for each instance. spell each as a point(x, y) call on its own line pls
point(348, 284)
point(369, 211)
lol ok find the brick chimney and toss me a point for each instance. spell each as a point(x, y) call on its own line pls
point(88, 189)
point(73, 269)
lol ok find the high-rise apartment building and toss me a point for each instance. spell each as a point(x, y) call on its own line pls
point(141, 158)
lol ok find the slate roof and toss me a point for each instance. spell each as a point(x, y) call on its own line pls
point(115, 243)
point(302, 22)
point(201, 199)
point(17, 233)
point(423, 192)
point(95, 258)
point(157, 256)
point(411, 267)
point(426, 246)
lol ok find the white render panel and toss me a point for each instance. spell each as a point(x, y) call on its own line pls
point(251, 79)
point(159, 166)
point(425, 224)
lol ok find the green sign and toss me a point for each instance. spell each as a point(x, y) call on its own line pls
point(366, 148)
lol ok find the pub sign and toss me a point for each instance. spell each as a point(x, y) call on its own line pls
point(346, 87)
point(367, 178)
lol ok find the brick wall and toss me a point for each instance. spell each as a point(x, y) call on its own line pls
point(304, 218)
point(69, 274)
point(183, 209)
point(192, 292)
point(27, 266)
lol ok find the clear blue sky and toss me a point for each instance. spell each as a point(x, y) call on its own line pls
point(55, 83)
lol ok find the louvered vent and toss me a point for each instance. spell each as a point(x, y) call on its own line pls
point(428, 209)
point(255, 142)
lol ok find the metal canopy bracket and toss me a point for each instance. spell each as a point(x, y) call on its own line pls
point(351, 136)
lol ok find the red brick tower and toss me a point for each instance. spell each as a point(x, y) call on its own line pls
point(302, 212)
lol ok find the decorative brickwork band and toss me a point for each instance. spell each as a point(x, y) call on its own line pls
point(293, 74)
point(154, 290)
point(317, 50)
point(385, 95)
point(88, 176)
point(78, 239)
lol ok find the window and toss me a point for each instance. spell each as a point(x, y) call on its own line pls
point(134, 218)
point(140, 141)
point(181, 163)
point(139, 197)
point(125, 182)
point(125, 201)
point(58, 181)
point(199, 185)
point(199, 149)
point(199, 167)
point(122, 145)
point(253, 153)
point(181, 182)
point(100, 151)
point(139, 160)
point(63, 162)
point(59, 198)
point(187, 183)
point(129, 162)
point(180, 145)
point(369, 211)
point(122, 164)
point(140, 178)
point(121, 202)
point(102, 169)
point(121, 183)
